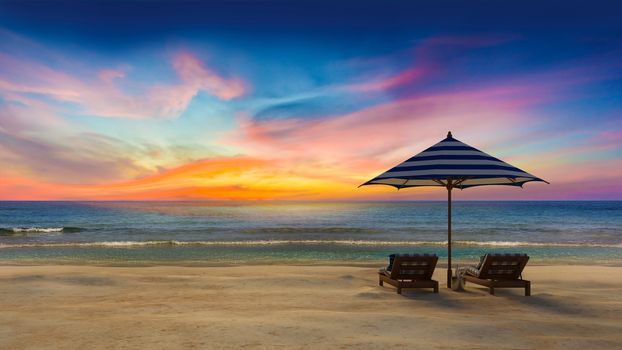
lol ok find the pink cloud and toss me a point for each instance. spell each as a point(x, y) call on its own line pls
point(397, 80)
point(376, 129)
point(612, 137)
point(28, 116)
point(101, 93)
point(422, 64)
point(361, 144)
point(193, 72)
point(108, 75)
point(84, 158)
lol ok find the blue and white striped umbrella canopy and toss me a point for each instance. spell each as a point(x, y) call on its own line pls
point(455, 164)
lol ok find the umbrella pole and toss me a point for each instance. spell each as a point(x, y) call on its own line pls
point(449, 274)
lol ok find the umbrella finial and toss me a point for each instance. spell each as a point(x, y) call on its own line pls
point(449, 135)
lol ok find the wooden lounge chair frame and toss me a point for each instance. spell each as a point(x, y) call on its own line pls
point(501, 271)
point(414, 271)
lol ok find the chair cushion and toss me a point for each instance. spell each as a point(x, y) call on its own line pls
point(413, 254)
point(498, 255)
point(499, 266)
point(506, 254)
point(392, 258)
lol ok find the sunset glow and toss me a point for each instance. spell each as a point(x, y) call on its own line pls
point(265, 111)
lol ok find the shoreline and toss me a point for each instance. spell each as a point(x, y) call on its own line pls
point(336, 263)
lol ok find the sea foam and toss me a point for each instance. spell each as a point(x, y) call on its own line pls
point(30, 230)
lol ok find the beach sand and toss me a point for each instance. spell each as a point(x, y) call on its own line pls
point(300, 307)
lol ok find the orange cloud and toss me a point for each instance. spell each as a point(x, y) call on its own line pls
point(221, 178)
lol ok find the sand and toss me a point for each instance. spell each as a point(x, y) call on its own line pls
point(300, 307)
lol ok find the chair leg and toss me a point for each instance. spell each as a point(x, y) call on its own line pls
point(528, 289)
point(399, 290)
point(380, 282)
point(436, 287)
point(491, 290)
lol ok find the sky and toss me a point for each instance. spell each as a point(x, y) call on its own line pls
point(269, 100)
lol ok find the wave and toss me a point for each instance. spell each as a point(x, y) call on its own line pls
point(533, 244)
point(174, 243)
point(29, 230)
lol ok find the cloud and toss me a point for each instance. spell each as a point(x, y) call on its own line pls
point(28, 115)
point(104, 92)
point(423, 62)
point(340, 152)
point(402, 78)
point(230, 178)
point(86, 158)
point(315, 144)
point(382, 129)
point(194, 73)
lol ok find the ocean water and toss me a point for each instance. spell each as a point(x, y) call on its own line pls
point(204, 233)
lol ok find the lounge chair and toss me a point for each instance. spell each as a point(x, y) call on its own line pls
point(498, 271)
point(410, 271)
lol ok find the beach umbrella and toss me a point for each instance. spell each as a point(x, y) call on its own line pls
point(452, 164)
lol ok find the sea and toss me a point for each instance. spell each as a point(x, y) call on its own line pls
point(236, 233)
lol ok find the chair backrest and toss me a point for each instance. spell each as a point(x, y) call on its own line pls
point(413, 267)
point(503, 266)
